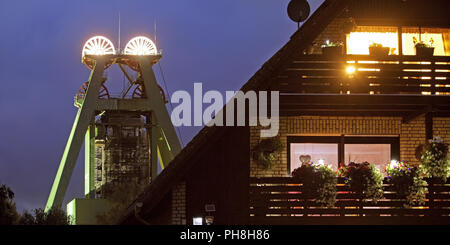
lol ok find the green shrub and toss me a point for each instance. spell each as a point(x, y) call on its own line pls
point(435, 160)
point(364, 179)
point(267, 151)
point(319, 183)
point(407, 182)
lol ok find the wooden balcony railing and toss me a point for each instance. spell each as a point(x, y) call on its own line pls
point(368, 75)
point(282, 198)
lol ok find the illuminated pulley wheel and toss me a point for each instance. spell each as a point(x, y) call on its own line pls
point(139, 46)
point(138, 92)
point(97, 45)
point(79, 97)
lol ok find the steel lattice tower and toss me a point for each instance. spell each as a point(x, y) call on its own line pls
point(125, 137)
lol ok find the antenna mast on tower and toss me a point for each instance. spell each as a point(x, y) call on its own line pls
point(118, 41)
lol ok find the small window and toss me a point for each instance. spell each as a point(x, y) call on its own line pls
point(343, 149)
point(358, 42)
point(378, 154)
point(328, 153)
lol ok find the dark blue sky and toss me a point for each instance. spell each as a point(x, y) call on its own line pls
point(219, 43)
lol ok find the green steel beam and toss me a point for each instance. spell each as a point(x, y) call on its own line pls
point(84, 116)
point(114, 104)
point(89, 161)
point(154, 147)
point(168, 142)
point(164, 151)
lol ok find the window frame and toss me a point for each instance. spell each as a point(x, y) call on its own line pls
point(394, 141)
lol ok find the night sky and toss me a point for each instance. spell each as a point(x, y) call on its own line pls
point(219, 43)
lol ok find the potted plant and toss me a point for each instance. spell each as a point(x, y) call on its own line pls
point(332, 49)
point(424, 49)
point(266, 152)
point(364, 179)
point(318, 183)
point(376, 49)
point(407, 182)
point(435, 160)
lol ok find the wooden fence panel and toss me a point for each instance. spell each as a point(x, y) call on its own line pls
point(271, 198)
point(379, 75)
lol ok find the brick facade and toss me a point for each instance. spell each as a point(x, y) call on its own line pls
point(411, 134)
point(441, 127)
point(179, 204)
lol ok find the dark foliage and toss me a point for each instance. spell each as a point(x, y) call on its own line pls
point(266, 152)
point(319, 183)
point(8, 212)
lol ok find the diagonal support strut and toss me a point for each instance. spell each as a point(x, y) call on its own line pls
point(83, 118)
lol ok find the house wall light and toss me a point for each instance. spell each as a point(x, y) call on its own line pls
point(350, 70)
point(197, 221)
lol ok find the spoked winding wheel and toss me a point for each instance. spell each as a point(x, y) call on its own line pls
point(79, 97)
point(139, 46)
point(139, 92)
point(97, 45)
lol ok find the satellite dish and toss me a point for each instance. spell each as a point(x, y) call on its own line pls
point(298, 10)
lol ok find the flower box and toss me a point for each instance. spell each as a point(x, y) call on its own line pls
point(332, 51)
point(379, 51)
point(424, 51)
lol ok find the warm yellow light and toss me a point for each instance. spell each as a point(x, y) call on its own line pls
point(409, 45)
point(98, 45)
point(359, 42)
point(350, 69)
point(140, 46)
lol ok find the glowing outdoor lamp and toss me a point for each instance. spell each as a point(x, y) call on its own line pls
point(350, 70)
point(140, 46)
point(197, 221)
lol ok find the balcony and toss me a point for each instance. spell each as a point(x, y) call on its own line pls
point(365, 74)
point(280, 201)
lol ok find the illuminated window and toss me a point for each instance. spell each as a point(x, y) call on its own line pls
point(428, 35)
point(333, 150)
point(378, 154)
point(359, 42)
point(328, 153)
